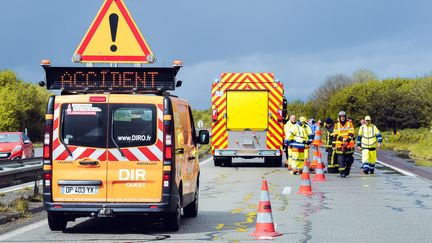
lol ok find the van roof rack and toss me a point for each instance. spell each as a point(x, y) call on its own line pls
point(119, 80)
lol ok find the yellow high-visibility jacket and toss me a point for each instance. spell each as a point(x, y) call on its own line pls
point(287, 128)
point(297, 136)
point(344, 134)
point(368, 136)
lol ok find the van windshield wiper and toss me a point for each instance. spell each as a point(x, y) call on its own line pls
point(67, 148)
point(118, 147)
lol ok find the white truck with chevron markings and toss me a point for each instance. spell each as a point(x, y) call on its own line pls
point(247, 118)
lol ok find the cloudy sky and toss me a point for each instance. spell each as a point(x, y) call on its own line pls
point(301, 41)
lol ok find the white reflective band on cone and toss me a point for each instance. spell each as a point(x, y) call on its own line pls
point(264, 218)
point(305, 183)
point(264, 196)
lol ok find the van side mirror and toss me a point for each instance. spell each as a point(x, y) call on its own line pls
point(204, 137)
point(179, 83)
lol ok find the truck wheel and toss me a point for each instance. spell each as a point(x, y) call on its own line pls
point(172, 220)
point(217, 161)
point(227, 162)
point(56, 222)
point(268, 161)
point(277, 162)
point(191, 210)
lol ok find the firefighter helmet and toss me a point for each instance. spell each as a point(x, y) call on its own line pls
point(341, 113)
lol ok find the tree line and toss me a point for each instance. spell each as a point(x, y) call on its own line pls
point(22, 105)
point(393, 103)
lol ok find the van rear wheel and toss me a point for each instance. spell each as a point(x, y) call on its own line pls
point(56, 222)
point(172, 220)
point(191, 210)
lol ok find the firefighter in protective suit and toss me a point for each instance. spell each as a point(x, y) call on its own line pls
point(343, 133)
point(299, 140)
point(291, 122)
point(368, 140)
point(332, 166)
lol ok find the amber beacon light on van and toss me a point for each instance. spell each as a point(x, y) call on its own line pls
point(111, 79)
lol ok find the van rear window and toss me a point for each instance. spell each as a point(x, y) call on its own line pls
point(134, 125)
point(84, 125)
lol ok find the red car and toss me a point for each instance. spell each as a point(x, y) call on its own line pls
point(15, 145)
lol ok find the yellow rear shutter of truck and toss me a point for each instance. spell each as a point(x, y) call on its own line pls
point(247, 110)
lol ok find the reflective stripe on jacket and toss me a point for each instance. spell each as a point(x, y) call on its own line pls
point(298, 136)
point(344, 133)
point(368, 136)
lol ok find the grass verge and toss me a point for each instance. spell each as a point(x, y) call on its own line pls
point(416, 142)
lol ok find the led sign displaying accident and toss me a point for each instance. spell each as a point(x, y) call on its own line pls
point(109, 79)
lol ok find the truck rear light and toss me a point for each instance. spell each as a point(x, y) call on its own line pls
point(97, 99)
point(279, 115)
point(215, 115)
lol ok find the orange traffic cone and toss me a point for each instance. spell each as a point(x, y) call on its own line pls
point(265, 229)
point(319, 171)
point(317, 139)
point(314, 163)
point(305, 186)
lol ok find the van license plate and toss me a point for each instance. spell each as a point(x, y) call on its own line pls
point(3, 155)
point(79, 190)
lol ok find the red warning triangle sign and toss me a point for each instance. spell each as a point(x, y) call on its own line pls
point(113, 37)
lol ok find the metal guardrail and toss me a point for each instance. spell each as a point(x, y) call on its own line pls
point(17, 170)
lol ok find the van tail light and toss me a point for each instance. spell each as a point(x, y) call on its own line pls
point(166, 179)
point(215, 115)
point(279, 115)
point(47, 143)
point(47, 177)
point(167, 143)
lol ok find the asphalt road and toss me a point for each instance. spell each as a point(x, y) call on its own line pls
point(385, 207)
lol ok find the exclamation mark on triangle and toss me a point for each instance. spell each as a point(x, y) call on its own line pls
point(113, 19)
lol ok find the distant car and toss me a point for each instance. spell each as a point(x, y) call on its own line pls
point(15, 145)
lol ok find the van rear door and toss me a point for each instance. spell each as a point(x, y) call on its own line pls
point(135, 161)
point(79, 150)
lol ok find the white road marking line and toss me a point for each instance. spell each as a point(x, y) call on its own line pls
point(287, 190)
point(23, 230)
point(206, 161)
point(392, 167)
